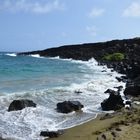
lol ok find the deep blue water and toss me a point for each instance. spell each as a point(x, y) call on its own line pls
point(48, 81)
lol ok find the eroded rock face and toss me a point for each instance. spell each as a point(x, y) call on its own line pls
point(20, 104)
point(114, 102)
point(69, 106)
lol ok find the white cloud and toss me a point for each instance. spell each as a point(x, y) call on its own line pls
point(28, 6)
point(92, 30)
point(133, 10)
point(96, 12)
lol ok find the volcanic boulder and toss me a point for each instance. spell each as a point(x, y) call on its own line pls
point(114, 102)
point(20, 104)
point(69, 106)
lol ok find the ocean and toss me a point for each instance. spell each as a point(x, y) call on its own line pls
point(48, 81)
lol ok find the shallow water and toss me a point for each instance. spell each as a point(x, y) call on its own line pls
point(48, 81)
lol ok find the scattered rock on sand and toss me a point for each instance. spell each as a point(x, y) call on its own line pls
point(104, 136)
point(107, 116)
point(113, 134)
point(118, 129)
point(51, 134)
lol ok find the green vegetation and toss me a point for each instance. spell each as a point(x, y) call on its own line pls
point(114, 57)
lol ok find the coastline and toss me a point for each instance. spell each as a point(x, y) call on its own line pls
point(120, 125)
point(110, 74)
point(123, 124)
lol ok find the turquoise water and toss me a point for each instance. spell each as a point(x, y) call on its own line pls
point(29, 73)
point(48, 81)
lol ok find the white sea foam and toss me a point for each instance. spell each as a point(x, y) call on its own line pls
point(57, 57)
point(11, 54)
point(36, 56)
point(29, 122)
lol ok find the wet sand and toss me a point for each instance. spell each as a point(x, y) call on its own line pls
point(121, 125)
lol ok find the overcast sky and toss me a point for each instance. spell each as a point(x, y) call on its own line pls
point(39, 24)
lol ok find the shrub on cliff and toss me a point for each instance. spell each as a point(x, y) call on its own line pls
point(114, 57)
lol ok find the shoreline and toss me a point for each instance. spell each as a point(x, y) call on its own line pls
point(123, 57)
point(123, 124)
point(84, 95)
point(72, 129)
point(108, 126)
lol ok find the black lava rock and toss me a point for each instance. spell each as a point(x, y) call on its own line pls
point(20, 104)
point(114, 102)
point(110, 91)
point(133, 87)
point(51, 134)
point(69, 106)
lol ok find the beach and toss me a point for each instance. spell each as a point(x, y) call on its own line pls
point(69, 70)
point(121, 125)
point(67, 93)
point(45, 82)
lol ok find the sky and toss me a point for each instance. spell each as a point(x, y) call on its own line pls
point(27, 25)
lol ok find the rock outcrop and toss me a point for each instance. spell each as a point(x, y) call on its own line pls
point(21, 104)
point(69, 106)
point(133, 87)
point(110, 91)
point(114, 102)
